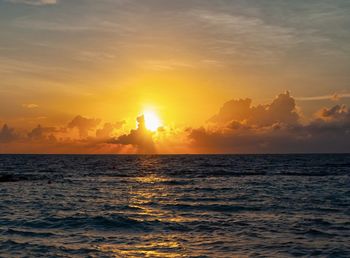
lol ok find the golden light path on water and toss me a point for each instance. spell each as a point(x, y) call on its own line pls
point(149, 190)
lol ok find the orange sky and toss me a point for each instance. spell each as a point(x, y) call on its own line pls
point(107, 62)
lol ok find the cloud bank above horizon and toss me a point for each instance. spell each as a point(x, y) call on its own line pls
point(238, 127)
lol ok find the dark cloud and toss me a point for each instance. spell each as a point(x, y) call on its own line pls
point(84, 125)
point(313, 138)
point(41, 133)
point(334, 120)
point(274, 128)
point(281, 110)
point(7, 134)
point(107, 130)
point(44, 139)
point(141, 138)
point(233, 110)
point(338, 112)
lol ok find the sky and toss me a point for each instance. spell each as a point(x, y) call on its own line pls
point(223, 76)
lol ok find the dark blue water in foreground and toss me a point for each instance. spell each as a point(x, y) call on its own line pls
point(175, 206)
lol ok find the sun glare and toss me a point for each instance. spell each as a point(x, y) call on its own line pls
point(152, 121)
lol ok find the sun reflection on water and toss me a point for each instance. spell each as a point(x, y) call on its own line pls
point(158, 249)
point(147, 197)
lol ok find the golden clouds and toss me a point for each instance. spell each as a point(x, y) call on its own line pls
point(273, 128)
point(141, 138)
point(238, 127)
point(281, 110)
point(84, 125)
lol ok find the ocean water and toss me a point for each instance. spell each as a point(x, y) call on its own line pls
point(175, 206)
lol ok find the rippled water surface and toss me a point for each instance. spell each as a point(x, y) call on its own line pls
point(175, 206)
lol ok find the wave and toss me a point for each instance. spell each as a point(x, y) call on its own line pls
point(110, 222)
point(211, 207)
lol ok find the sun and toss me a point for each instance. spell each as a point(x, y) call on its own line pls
point(152, 121)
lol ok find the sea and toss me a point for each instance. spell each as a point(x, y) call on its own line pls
point(175, 205)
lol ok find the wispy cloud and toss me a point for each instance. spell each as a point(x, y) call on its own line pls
point(30, 105)
point(34, 2)
point(245, 36)
point(66, 26)
point(334, 97)
point(164, 65)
